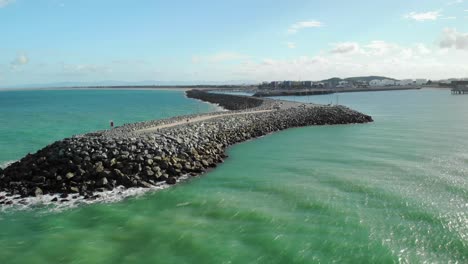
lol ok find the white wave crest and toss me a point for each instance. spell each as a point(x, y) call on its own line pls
point(5, 164)
point(74, 200)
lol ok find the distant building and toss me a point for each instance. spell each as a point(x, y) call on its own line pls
point(460, 84)
point(420, 81)
point(361, 84)
point(344, 84)
point(308, 84)
point(275, 84)
point(319, 85)
point(383, 82)
point(404, 82)
point(375, 83)
point(287, 84)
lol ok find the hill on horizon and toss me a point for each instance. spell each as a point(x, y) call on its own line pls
point(359, 78)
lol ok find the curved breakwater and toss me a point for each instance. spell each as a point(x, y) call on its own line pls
point(147, 154)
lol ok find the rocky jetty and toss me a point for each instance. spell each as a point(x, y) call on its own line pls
point(318, 91)
point(293, 92)
point(227, 101)
point(133, 156)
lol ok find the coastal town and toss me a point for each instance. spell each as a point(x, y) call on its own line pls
point(358, 82)
point(355, 84)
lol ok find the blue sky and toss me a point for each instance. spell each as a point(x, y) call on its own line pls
point(47, 41)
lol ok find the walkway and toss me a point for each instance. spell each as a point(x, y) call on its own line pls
point(197, 119)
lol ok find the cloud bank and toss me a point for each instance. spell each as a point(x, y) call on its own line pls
point(451, 38)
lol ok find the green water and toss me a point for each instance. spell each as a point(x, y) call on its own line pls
point(392, 191)
point(29, 120)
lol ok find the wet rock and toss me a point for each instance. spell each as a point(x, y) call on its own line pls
point(102, 182)
point(69, 175)
point(171, 180)
point(146, 185)
point(99, 167)
point(38, 192)
point(39, 179)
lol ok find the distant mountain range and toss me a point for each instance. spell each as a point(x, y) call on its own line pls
point(124, 83)
point(452, 79)
point(359, 79)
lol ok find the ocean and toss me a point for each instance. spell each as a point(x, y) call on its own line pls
point(393, 191)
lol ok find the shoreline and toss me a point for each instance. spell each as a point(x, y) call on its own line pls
point(172, 151)
point(312, 92)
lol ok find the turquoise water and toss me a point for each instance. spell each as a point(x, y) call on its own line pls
point(29, 120)
point(392, 191)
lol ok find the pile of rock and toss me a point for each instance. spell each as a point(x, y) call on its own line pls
point(227, 101)
point(104, 160)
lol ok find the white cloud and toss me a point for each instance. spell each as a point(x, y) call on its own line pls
point(345, 47)
point(425, 16)
point(4, 3)
point(291, 45)
point(451, 38)
point(422, 49)
point(379, 48)
point(20, 60)
point(84, 69)
point(456, 2)
point(372, 58)
point(219, 57)
point(296, 27)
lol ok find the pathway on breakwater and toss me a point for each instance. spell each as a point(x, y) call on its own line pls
point(197, 119)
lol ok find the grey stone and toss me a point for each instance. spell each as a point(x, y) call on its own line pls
point(38, 191)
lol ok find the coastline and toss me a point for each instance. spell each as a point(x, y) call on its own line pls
point(85, 166)
point(271, 93)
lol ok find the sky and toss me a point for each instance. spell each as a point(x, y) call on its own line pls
point(46, 41)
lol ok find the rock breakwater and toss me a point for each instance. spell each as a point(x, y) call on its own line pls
point(133, 156)
point(227, 101)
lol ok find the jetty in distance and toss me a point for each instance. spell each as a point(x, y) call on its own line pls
point(460, 90)
point(460, 87)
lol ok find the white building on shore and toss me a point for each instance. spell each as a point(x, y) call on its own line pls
point(381, 83)
point(405, 82)
point(408, 82)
